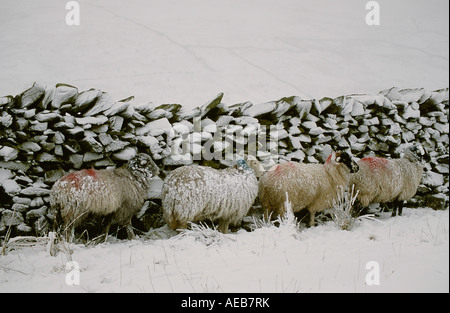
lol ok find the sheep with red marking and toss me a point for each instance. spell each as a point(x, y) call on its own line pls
point(381, 180)
point(114, 193)
point(310, 186)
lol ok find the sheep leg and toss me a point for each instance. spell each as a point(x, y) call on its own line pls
point(312, 216)
point(394, 208)
point(130, 232)
point(358, 209)
point(267, 215)
point(174, 224)
point(181, 226)
point(398, 206)
point(223, 226)
point(107, 226)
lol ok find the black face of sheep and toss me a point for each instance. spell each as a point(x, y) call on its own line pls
point(415, 153)
point(345, 158)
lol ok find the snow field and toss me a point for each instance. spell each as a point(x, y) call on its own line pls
point(186, 52)
point(412, 252)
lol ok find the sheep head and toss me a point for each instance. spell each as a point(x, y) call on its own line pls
point(143, 168)
point(342, 157)
point(415, 153)
point(255, 165)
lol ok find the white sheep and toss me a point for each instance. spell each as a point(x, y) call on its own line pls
point(381, 180)
point(113, 193)
point(310, 186)
point(195, 193)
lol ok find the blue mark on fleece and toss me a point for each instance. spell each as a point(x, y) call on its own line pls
point(241, 164)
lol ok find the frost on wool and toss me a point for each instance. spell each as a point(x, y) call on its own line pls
point(381, 180)
point(114, 193)
point(195, 193)
point(310, 186)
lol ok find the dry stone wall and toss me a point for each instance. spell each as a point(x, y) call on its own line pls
point(46, 132)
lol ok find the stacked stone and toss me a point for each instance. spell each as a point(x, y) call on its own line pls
point(46, 132)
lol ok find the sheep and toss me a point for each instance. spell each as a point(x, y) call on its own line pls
point(195, 193)
point(381, 180)
point(113, 193)
point(254, 164)
point(311, 186)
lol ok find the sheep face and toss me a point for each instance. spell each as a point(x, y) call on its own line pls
point(414, 154)
point(254, 164)
point(251, 165)
point(143, 167)
point(342, 157)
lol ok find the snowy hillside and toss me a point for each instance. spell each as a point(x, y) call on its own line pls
point(251, 50)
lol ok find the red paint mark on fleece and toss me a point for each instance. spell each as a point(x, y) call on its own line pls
point(91, 172)
point(278, 169)
point(75, 177)
point(375, 163)
point(284, 167)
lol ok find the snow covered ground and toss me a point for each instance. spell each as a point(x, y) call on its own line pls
point(402, 254)
point(169, 51)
